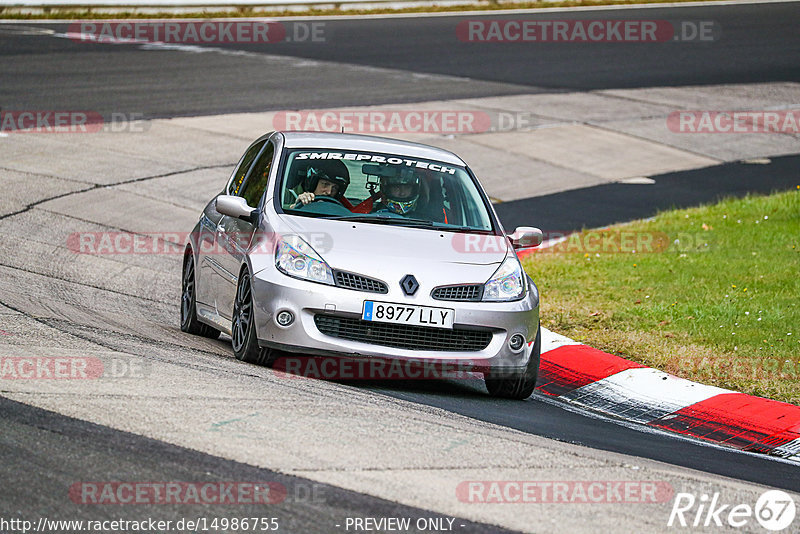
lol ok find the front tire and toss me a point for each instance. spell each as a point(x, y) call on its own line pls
point(189, 322)
point(243, 327)
point(519, 386)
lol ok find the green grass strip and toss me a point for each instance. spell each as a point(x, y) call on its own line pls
point(712, 294)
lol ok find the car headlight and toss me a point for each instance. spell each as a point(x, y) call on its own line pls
point(507, 282)
point(295, 257)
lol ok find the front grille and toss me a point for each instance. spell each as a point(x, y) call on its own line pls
point(471, 292)
point(359, 283)
point(403, 336)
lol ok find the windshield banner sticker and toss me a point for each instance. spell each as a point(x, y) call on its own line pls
point(374, 158)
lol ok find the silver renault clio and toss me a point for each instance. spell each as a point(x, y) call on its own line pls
point(361, 247)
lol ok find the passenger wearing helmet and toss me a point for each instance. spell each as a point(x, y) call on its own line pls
point(399, 194)
point(321, 183)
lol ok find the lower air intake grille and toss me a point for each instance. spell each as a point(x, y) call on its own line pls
point(403, 336)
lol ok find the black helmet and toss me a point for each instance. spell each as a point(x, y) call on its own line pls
point(315, 173)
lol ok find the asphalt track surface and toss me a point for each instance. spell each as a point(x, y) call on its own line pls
point(755, 44)
point(540, 417)
point(761, 44)
point(606, 204)
point(63, 450)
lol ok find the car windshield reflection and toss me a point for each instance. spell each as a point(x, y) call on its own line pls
point(382, 189)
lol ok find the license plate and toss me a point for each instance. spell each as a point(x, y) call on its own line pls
point(387, 312)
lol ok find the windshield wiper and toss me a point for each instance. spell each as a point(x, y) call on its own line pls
point(461, 229)
point(410, 222)
point(349, 217)
point(383, 219)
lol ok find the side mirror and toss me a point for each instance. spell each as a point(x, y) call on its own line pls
point(526, 236)
point(236, 207)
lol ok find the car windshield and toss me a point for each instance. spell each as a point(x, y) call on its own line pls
point(383, 189)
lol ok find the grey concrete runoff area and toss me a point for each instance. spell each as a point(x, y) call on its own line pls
point(181, 408)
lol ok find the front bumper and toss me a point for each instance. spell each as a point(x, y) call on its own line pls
point(274, 292)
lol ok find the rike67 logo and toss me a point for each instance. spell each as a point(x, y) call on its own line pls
point(774, 510)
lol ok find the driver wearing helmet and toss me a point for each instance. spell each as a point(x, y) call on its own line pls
point(319, 183)
point(399, 194)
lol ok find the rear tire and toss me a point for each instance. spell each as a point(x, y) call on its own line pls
point(518, 386)
point(243, 327)
point(189, 322)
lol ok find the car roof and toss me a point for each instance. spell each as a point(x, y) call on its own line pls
point(368, 143)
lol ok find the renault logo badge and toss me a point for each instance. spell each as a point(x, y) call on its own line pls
point(409, 284)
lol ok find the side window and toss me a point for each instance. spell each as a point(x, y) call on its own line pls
point(259, 175)
point(241, 170)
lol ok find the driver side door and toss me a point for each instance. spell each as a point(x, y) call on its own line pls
point(234, 236)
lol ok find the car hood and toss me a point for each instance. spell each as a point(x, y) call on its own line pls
point(392, 251)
